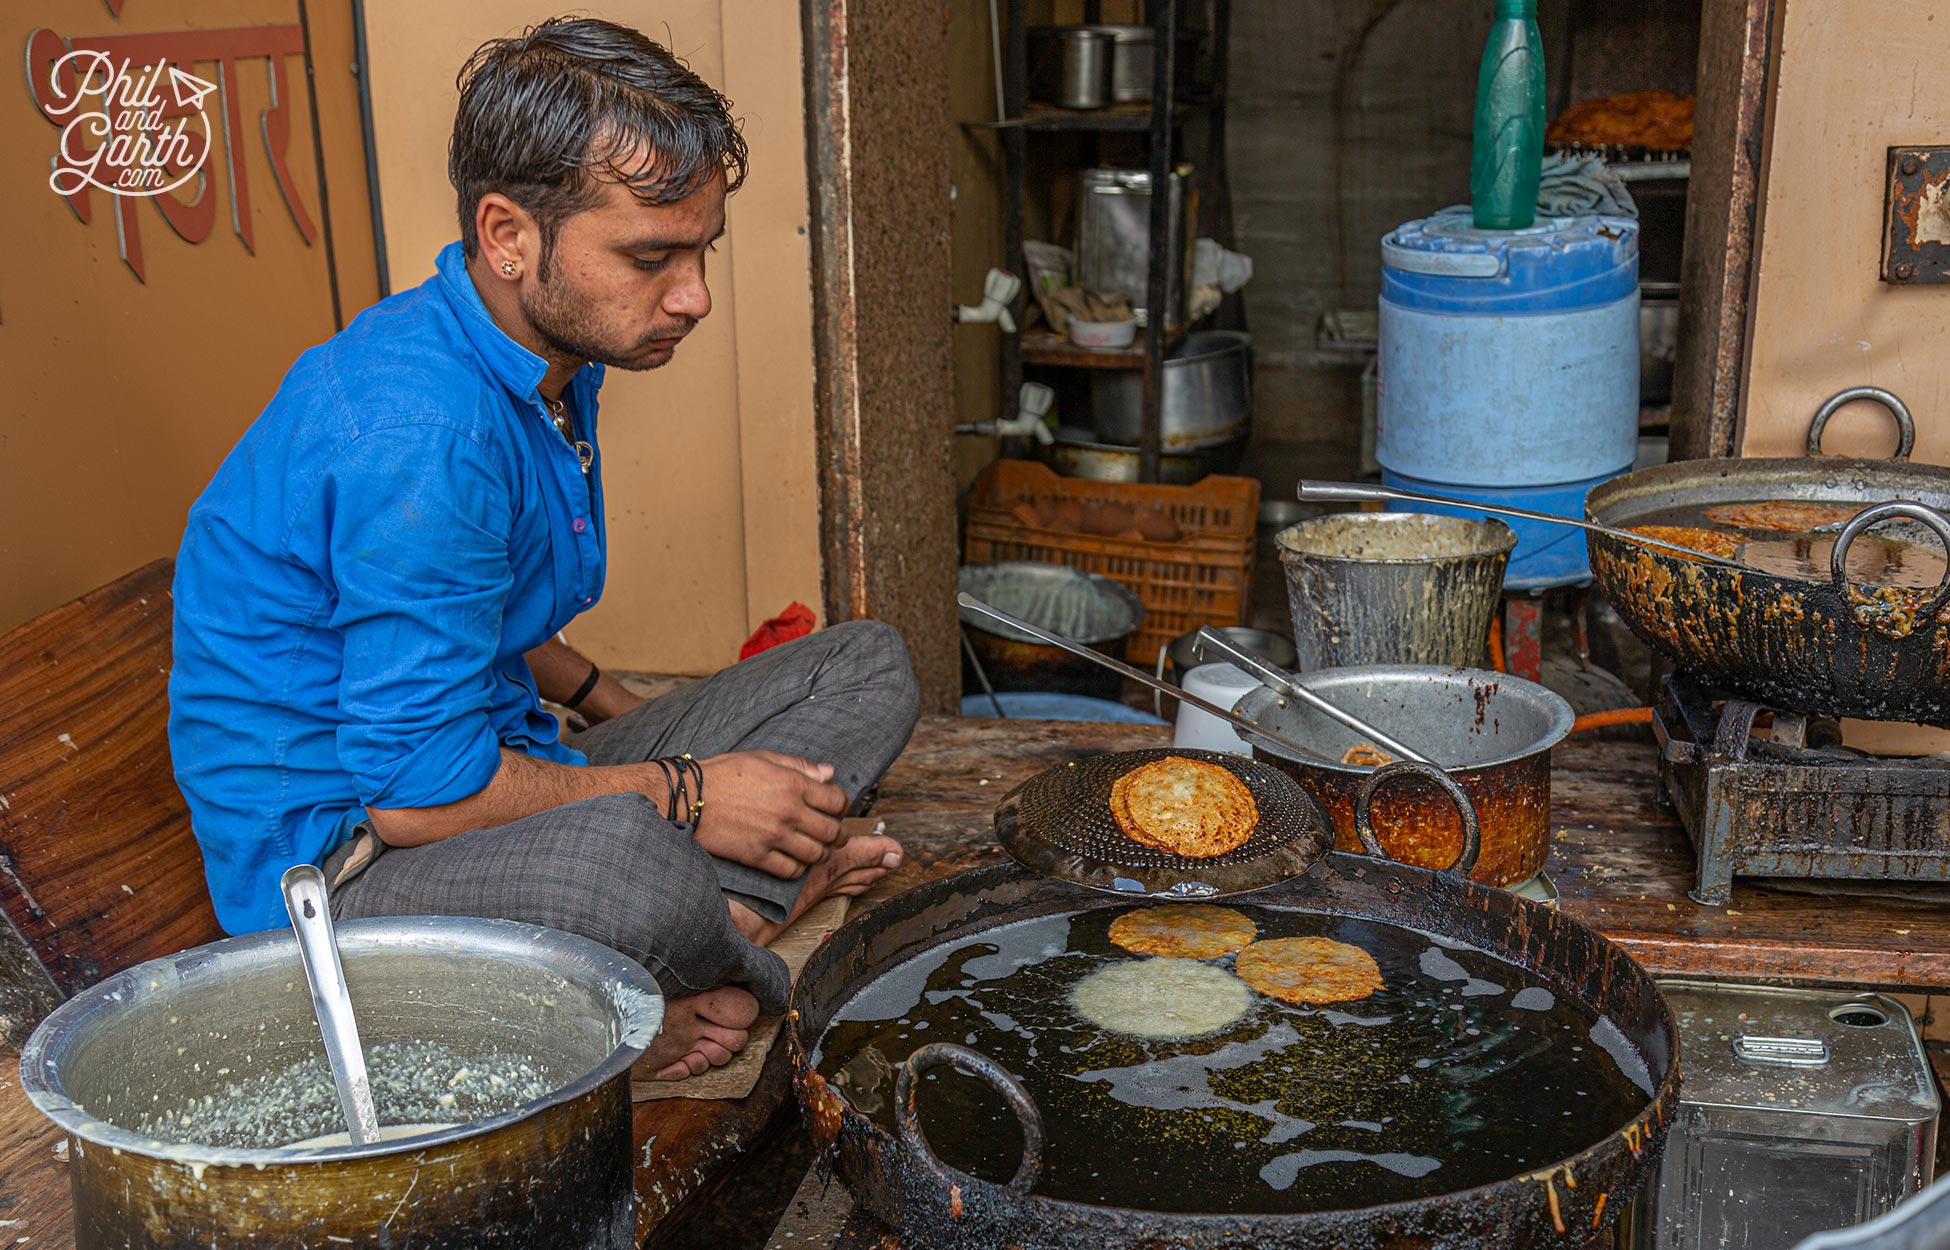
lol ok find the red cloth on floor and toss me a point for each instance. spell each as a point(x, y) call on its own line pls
point(795, 622)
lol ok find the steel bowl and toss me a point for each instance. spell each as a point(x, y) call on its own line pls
point(1208, 395)
point(1491, 732)
point(553, 1171)
point(1076, 453)
point(1088, 608)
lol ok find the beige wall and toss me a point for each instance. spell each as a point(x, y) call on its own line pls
point(122, 395)
point(710, 461)
point(1852, 83)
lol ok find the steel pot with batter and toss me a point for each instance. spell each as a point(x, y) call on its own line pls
point(180, 1083)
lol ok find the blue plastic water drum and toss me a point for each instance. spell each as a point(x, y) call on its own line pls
point(1508, 357)
point(1546, 555)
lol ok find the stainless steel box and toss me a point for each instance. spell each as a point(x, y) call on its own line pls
point(1114, 237)
point(1799, 1111)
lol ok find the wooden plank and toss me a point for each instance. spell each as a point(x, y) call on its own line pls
point(1854, 78)
point(1722, 199)
point(98, 868)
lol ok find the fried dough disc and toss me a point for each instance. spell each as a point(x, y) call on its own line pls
point(1712, 542)
point(1309, 970)
point(1184, 806)
point(1183, 931)
point(1366, 755)
point(1161, 998)
point(1785, 515)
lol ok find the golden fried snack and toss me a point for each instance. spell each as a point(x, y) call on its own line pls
point(1184, 806)
point(1649, 119)
point(1365, 755)
point(1183, 931)
point(1787, 516)
point(1161, 998)
point(1309, 970)
point(1712, 542)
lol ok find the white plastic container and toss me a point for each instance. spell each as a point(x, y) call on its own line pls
point(1219, 684)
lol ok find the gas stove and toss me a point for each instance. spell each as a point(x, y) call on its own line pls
point(1770, 793)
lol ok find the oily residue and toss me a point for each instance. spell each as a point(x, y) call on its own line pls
point(1462, 1070)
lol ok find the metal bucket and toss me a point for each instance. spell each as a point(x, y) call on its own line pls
point(1086, 607)
point(228, 1021)
point(1393, 587)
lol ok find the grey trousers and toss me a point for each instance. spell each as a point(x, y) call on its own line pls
point(613, 868)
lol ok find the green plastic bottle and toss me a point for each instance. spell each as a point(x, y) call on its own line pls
point(1509, 148)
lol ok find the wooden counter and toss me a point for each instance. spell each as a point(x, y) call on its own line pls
point(1620, 861)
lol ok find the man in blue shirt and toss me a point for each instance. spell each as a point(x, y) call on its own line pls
point(369, 593)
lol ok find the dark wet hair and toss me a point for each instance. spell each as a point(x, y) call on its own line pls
point(544, 113)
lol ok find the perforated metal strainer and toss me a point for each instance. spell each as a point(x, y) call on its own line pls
point(1059, 823)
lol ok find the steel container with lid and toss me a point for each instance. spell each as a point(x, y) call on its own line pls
point(1509, 369)
point(1802, 1110)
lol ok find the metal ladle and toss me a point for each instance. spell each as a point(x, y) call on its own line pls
point(318, 949)
point(1274, 678)
point(1306, 696)
point(1361, 492)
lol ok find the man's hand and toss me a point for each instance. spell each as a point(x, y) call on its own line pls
point(772, 812)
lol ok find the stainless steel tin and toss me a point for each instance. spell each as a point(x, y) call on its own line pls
point(1802, 1110)
point(1131, 62)
point(553, 1171)
point(1208, 397)
point(1084, 66)
point(1114, 237)
point(1393, 587)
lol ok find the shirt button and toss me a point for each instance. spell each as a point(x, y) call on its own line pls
point(580, 525)
point(587, 600)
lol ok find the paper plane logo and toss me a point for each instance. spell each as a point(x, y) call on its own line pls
point(189, 89)
point(123, 130)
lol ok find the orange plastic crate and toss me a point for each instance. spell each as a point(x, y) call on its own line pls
point(1205, 578)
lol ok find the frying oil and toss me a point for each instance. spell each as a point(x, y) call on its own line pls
point(1899, 552)
point(1461, 1070)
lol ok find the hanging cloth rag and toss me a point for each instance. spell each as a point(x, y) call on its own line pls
point(1572, 186)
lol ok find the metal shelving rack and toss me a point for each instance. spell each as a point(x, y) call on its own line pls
point(1159, 121)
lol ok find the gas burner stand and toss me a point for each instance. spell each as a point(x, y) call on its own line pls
point(1779, 808)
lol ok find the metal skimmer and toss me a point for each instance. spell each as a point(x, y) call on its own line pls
point(1059, 823)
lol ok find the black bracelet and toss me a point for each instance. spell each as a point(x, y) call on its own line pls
point(574, 701)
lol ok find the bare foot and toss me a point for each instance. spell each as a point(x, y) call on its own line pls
point(700, 1032)
point(849, 870)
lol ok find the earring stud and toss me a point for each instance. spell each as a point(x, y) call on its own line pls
point(508, 268)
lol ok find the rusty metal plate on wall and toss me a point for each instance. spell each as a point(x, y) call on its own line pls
point(1916, 217)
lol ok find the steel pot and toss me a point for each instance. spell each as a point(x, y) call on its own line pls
point(1208, 395)
point(1491, 732)
point(1087, 607)
point(901, 1180)
point(554, 1171)
point(1076, 454)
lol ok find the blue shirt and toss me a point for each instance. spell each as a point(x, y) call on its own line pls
point(358, 583)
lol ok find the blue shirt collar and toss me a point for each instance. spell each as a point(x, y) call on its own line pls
point(507, 361)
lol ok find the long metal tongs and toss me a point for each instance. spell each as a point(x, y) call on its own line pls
point(1037, 632)
point(1211, 640)
point(1361, 492)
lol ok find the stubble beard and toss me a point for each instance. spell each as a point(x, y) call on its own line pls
point(565, 327)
